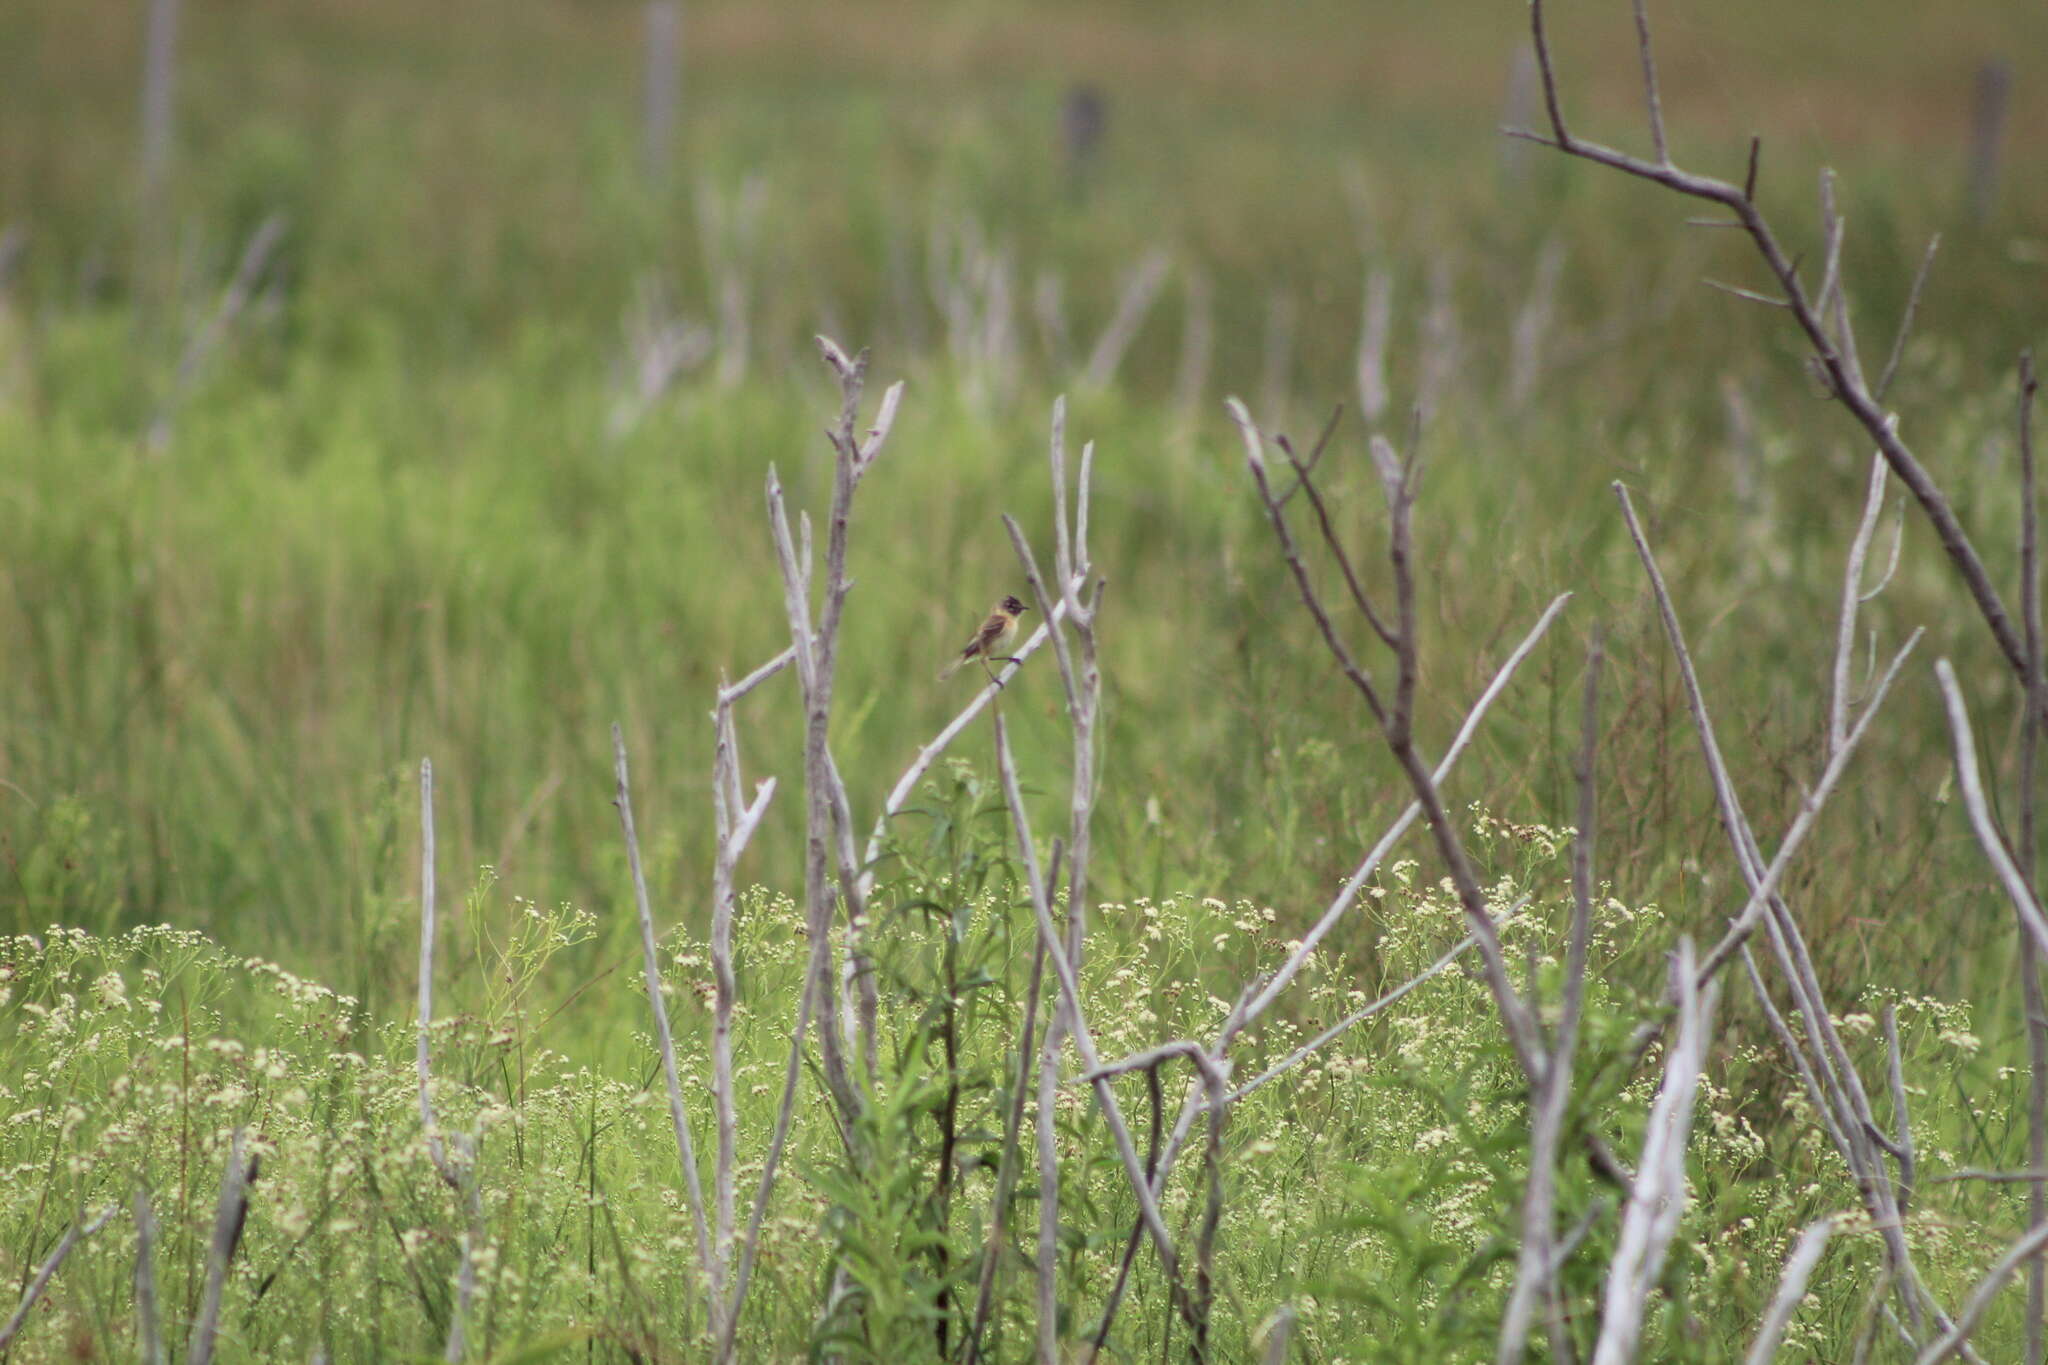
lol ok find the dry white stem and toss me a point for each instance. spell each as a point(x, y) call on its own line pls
point(1763, 879)
point(228, 1216)
point(435, 1148)
point(1291, 966)
point(1049, 311)
point(1243, 1017)
point(1770, 300)
point(1799, 1266)
point(1141, 287)
point(1539, 1257)
point(736, 821)
point(1070, 989)
point(735, 691)
point(770, 1167)
point(1441, 345)
point(199, 348)
point(1981, 823)
point(1901, 1143)
point(1396, 721)
point(1197, 342)
point(931, 752)
point(1047, 1139)
point(1278, 1332)
point(814, 675)
point(1842, 374)
point(1657, 1200)
point(159, 70)
point(1006, 1166)
point(1532, 334)
point(465, 1274)
point(1833, 228)
point(1845, 1088)
point(1277, 356)
point(1955, 1340)
point(1651, 98)
point(1215, 1071)
point(149, 1332)
point(1359, 1016)
point(1852, 596)
point(885, 422)
point(1898, 352)
point(650, 969)
point(660, 81)
point(1373, 333)
point(47, 1271)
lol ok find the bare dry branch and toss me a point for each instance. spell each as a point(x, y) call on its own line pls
point(1539, 1258)
point(149, 1331)
point(230, 1213)
point(1070, 987)
point(47, 1271)
point(650, 967)
point(1658, 1200)
point(2032, 922)
point(735, 822)
point(2031, 996)
point(1141, 287)
point(207, 339)
point(1372, 345)
point(1956, 1339)
point(1007, 1163)
point(1651, 98)
point(1852, 597)
point(1835, 361)
point(1799, 1266)
point(435, 1149)
point(1359, 1016)
point(1898, 352)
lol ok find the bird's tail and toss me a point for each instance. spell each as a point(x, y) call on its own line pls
point(950, 669)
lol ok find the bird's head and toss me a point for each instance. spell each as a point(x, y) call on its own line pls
point(1013, 606)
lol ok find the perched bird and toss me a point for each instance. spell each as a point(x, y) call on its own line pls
point(995, 634)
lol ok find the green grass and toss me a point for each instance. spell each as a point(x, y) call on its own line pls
point(394, 521)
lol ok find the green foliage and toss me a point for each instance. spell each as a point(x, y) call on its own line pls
point(400, 515)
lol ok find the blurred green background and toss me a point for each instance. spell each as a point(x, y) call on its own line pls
point(414, 501)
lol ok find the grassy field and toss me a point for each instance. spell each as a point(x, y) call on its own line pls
point(410, 502)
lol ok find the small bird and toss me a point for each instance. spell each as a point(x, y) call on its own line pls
point(995, 633)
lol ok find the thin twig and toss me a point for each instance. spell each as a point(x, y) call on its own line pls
point(1141, 287)
point(1658, 1200)
point(1852, 597)
point(199, 348)
point(906, 785)
point(1836, 361)
point(1967, 1321)
point(1799, 1266)
point(46, 1272)
point(1538, 1259)
point(1395, 722)
point(2032, 922)
point(1765, 885)
point(1359, 1016)
point(1901, 1144)
point(1013, 1123)
point(1084, 1041)
point(1650, 95)
point(650, 966)
point(1891, 364)
point(2031, 995)
point(229, 1215)
point(736, 821)
point(149, 1330)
